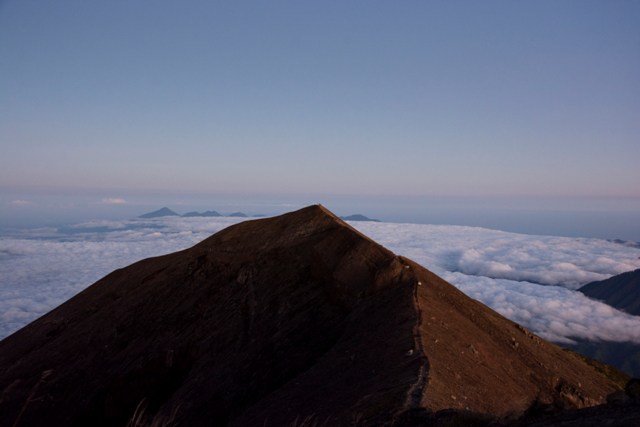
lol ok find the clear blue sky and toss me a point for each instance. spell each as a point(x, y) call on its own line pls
point(457, 98)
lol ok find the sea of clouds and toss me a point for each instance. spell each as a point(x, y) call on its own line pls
point(529, 279)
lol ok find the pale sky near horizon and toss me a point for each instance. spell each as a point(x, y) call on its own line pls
point(456, 98)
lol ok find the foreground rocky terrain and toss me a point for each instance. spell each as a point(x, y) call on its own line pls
point(292, 320)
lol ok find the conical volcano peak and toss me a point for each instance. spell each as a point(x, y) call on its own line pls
point(319, 208)
point(290, 320)
point(312, 238)
point(306, 226)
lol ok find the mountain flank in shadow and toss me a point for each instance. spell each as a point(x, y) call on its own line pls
point(621, 291)
point(275, 321)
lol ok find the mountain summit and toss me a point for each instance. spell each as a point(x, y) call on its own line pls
point(159, 213)
point(275, 321)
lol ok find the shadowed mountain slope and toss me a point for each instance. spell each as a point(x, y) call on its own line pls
point(275, 321)
point(621, 291)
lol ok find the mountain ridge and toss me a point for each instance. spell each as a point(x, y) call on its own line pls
point(198, 214)
point(358, 217)
point(277, 320)
point(621, 291)
point(162, 212)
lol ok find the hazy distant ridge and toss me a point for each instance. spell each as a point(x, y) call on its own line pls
point(165, 211)
point(358, 217)
point(159, 213)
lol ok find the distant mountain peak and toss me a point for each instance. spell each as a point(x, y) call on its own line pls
point(358, 217)
point(163, 212)
point(159, 213)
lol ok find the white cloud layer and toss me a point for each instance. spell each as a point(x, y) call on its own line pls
point(530, 279)
point(548, 260)
point(553, 312)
